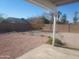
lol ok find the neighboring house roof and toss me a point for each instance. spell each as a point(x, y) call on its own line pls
point(15, 20)
point(34, 19)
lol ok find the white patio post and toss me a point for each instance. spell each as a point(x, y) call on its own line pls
point(54, 25)
point(54, 30)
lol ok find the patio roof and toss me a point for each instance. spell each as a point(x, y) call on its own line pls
point(50, 3)
point(63, 2)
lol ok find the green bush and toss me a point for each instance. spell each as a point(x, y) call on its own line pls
point(50, 39)
point(57, 42)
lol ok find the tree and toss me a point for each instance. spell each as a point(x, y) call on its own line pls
point(22, 19)
point(64, 19)
point(75, 18)
point(59, 15)
point(46, 21)
point(49, 17)
point(1, 18)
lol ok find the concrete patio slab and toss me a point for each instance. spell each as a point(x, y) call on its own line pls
point(49, 52)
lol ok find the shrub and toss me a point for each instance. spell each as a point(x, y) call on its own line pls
point(58, 42)
point(50, 39)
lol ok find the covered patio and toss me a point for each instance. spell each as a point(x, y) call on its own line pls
point(51, 6)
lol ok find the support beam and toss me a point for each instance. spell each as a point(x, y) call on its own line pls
point(45, 4)
point(49, 3)
point(54, 18)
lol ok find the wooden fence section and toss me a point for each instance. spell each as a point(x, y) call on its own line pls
point(7, 27)
point(74, 28)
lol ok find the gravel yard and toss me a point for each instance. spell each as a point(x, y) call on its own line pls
point(15, 44)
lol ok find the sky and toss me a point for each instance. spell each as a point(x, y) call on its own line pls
point(23, 9)
point(69, 10)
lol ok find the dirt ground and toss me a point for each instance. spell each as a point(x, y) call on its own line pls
point(15, 44)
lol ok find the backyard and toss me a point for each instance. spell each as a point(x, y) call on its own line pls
point(15, 44)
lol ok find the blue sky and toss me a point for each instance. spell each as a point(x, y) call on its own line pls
point(19, 8)
point(23, 9)
point(69, 10)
